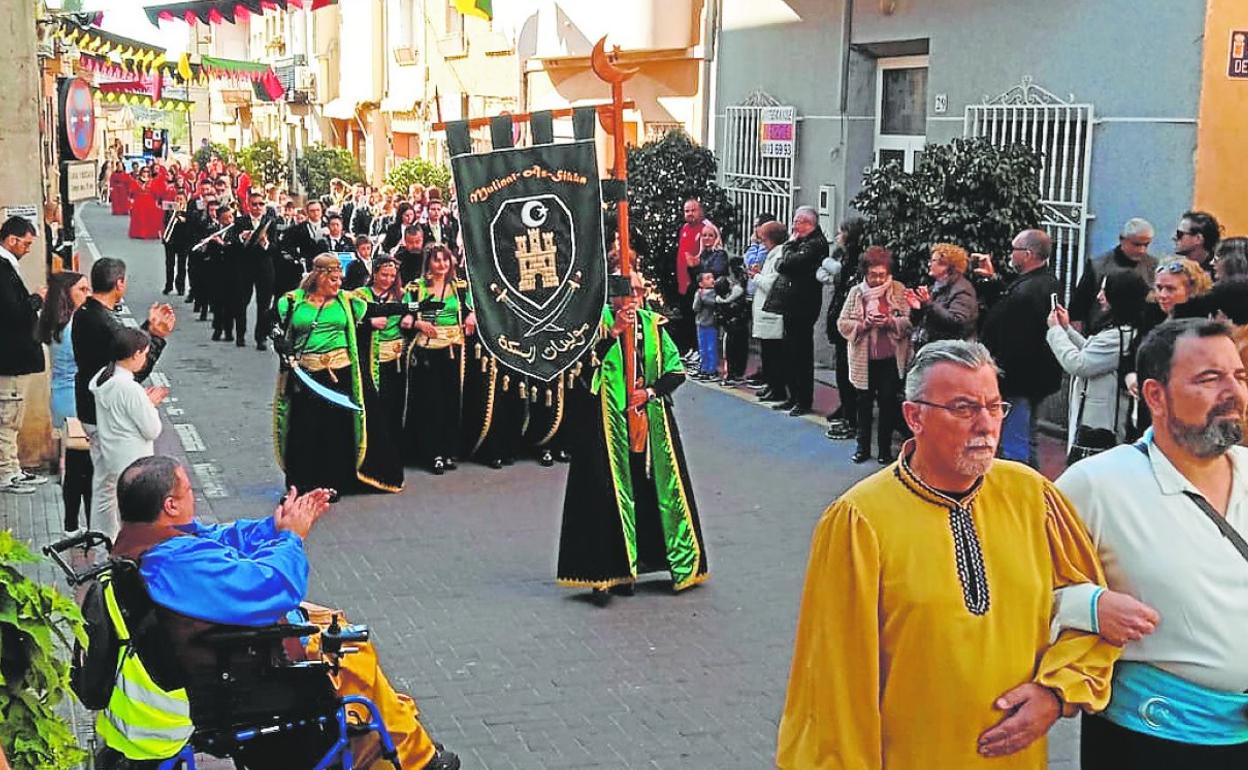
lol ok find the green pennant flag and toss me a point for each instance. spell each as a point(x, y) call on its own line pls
point(480, 8)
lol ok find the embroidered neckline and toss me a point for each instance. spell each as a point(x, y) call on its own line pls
point(972, 575)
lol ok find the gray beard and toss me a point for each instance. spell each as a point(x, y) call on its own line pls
point(1213, 439)
point(969, 466)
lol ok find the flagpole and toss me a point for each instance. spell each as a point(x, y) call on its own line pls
point(606, 70)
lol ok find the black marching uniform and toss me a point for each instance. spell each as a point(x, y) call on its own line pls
point(254, 266)
point(177, 240)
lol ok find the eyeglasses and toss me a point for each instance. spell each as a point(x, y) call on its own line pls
point(969, 410)
point(1174, 268)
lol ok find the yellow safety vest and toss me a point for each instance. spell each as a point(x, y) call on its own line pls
point(141, 720)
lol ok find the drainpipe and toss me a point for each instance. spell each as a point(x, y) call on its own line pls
point(847, 38)
point(710, 48)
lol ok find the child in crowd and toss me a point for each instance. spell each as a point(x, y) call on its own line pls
point(732, 315)
point(126, 416)
point(708, 332)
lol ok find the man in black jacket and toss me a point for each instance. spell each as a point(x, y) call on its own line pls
point(798, 295)
point(307, 239)
point(336, 239)
point(1129, 256)
point(95, 326)
point(256, 265)
point(1014, 331)
point(176, 237)
point(442, 227)
point(20, 355)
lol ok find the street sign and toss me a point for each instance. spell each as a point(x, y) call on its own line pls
point(25, 212)
point(1237, 68)
point(80, 184)
point(77, 118)
point(777, 131)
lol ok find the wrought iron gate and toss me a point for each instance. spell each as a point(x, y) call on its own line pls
point(1061, 132)
point(757, 183)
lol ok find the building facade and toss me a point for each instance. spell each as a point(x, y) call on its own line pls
point(1109, 92)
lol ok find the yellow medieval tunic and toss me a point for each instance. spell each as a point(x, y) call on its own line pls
point(919, 611)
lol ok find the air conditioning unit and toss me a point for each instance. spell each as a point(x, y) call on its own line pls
point(405, 56)
point(305, 79)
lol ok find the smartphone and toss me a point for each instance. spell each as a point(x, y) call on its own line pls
point(1053, 301)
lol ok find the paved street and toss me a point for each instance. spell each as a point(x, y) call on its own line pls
point(455, 575)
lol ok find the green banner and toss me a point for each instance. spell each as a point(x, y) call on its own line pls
point(531, 220)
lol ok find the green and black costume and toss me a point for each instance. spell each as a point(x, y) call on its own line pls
point(319, 444)
point(626, 513)
point(435, 375)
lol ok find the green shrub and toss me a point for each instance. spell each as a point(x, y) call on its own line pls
point(38, 626)
point(662, 175)
point(262, 160)
point(420, 171)
point(320, 163)
point(968, 192)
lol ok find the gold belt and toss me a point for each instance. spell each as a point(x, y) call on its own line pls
point(334, 359)
point(446, 336)
point(389, 350)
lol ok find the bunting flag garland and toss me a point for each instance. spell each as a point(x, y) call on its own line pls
point(225, 11)
point(256, 72)
point(144, 100)
point(95, 41)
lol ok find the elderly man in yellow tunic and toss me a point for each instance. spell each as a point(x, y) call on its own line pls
point(923, 639)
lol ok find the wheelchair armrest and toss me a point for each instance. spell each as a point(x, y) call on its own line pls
point(243, 636)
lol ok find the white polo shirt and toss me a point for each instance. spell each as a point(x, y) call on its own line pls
point(1158, 546)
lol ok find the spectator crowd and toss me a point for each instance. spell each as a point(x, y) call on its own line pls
point(774, 292)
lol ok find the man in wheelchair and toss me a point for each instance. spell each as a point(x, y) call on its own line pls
point(237, 644)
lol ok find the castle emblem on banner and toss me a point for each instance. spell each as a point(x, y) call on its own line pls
point(535, 253)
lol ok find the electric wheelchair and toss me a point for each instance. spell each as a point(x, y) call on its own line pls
point(252, 701)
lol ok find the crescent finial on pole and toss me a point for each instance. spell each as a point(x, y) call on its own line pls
point(604, 68)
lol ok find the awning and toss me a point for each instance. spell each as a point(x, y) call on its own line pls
point(342, 108)
point(399, 103)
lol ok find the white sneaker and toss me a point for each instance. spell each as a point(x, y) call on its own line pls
point(29, 479)
point(12, 487)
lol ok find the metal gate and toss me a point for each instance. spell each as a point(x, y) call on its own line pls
point(1061, 132)
point(755, 182)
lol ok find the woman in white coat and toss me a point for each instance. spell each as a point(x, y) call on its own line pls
point(768, 328)
point(1097, 398)
point(126, 418)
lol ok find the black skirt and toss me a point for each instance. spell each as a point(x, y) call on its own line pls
point(431, 420)
point(320, 438)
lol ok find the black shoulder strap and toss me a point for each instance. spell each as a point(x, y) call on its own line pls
point(1218, 519)
point(1221, 523)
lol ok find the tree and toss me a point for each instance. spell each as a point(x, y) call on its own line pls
point(214, 150)
point(419, 171)
point(662, 175)
point(262, 160)
point(319, 164)
point(968, 192)
point(38, 626)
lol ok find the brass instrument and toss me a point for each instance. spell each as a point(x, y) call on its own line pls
point(174, 216)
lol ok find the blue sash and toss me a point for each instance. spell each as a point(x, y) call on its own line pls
point(1157, 703)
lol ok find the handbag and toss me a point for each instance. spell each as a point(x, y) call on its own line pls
point(1090, 441)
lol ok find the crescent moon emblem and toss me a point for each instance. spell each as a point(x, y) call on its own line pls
point(533, 214)
point(603, 67)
